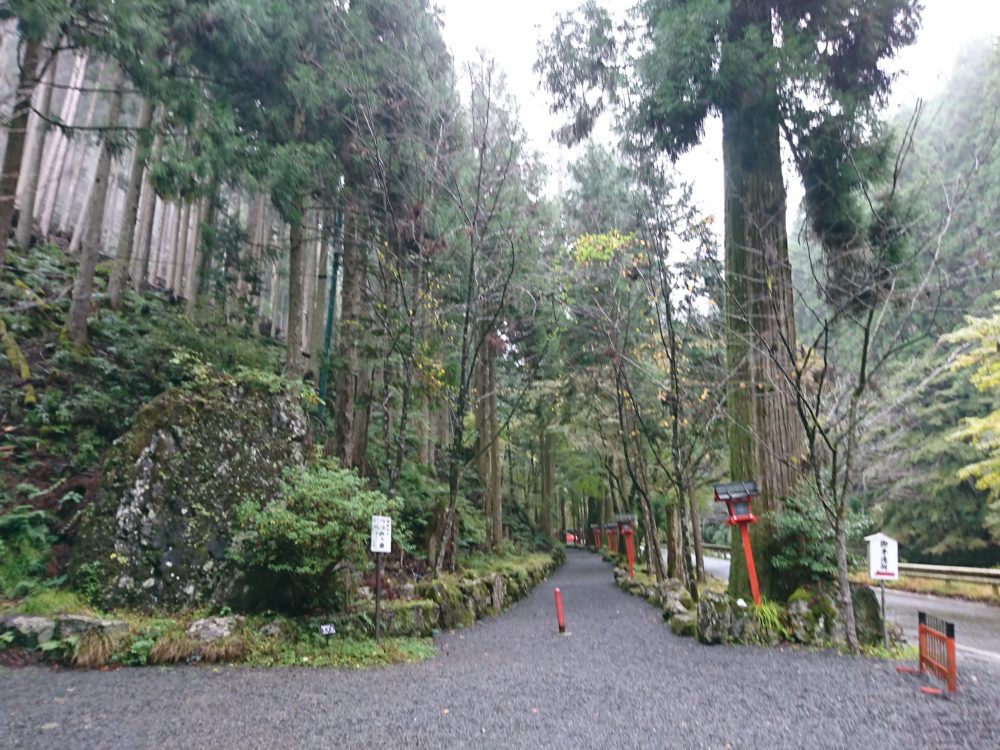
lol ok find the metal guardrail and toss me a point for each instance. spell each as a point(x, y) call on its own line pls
point(954, 574)
point(717, 550)
point(990, 576)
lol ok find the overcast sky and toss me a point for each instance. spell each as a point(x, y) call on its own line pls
point(510, 30)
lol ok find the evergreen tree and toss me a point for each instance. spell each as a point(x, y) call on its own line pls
point(806, 71)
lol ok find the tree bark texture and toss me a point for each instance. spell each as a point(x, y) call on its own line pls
point(126, 237)
point(83, 284)
point(22, 236)
point(348, 374)
point(16, 136)
point(765, 436)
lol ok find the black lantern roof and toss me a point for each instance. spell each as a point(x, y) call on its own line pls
point(736, 491)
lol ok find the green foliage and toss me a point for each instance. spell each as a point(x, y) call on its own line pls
point(25, 541)
point(804, 549)
point(770, 620)
point(91, 397)
point(302, 539)
point(601, 248)
point(137, 654)
point(983, 432)
point(312, 650)
point(421, 495)
point(49, 602)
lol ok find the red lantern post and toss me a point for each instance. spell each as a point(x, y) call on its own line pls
point(628, 531)
point(736, 496)
point(597, 536)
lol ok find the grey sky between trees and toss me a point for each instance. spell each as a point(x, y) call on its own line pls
point(510, 31)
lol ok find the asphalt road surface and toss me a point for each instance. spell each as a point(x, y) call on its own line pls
point(620, 678)
point(977, 626)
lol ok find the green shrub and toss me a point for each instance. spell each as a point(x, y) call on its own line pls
point(54, 602)
point(25, 543)
point(804, 550)
point(296, 545)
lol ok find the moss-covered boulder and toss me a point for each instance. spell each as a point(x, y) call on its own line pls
point(867, 615)
point(714, 618)
point(159, 532)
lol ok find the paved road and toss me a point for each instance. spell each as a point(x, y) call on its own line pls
point(620, 679)
point(977, 626)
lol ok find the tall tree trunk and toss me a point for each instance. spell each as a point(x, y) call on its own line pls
point(147, 215)
point(61, 158)
point(16, 136)
point(296, 267)
point(22, 237)
point(699, 549)
point(205, 213)
point(167, 213)
point(180, 251)
point(347, 375)
point(126, 237)
point(70, 220)
point(548, 468)
point(766, 439)
point(483, 455)
point(496, 499)
point(83, 284)
point(318, 318)
point(844, 583)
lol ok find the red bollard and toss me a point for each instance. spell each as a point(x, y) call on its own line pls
point(560, 617)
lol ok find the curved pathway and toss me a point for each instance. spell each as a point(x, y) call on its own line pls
point(619, 679)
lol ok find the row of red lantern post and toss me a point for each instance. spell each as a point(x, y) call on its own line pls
point(613, 534)
point(737, 497)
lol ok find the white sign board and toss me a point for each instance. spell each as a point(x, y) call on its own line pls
point(381, 534)
point(883, 557)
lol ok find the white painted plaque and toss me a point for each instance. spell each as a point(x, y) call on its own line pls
point(883, 557)
point(381, 534)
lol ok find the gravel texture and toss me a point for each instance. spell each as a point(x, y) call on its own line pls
point(618, 679)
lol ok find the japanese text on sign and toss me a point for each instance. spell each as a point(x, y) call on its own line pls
point(381, 534)
point(883, 557)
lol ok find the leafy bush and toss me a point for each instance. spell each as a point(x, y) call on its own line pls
point(803, 542)
point(25, 543)
point(804, 548)
point(298, 543)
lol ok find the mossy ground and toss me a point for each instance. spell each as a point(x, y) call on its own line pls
point(264, 640)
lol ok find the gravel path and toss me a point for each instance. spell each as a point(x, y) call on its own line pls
point(619, 679)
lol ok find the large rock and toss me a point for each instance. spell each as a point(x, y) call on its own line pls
point(714, 618)
point(28, 631)
point(213, 628)
point(812, 617)
point(867, 615)
point(115, 631)
point(158, 534)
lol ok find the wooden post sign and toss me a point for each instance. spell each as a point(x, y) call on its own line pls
point(883, 557)
point(381, 544)
point(883, 565)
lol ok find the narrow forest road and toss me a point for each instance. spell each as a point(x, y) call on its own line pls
point(619, 679)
